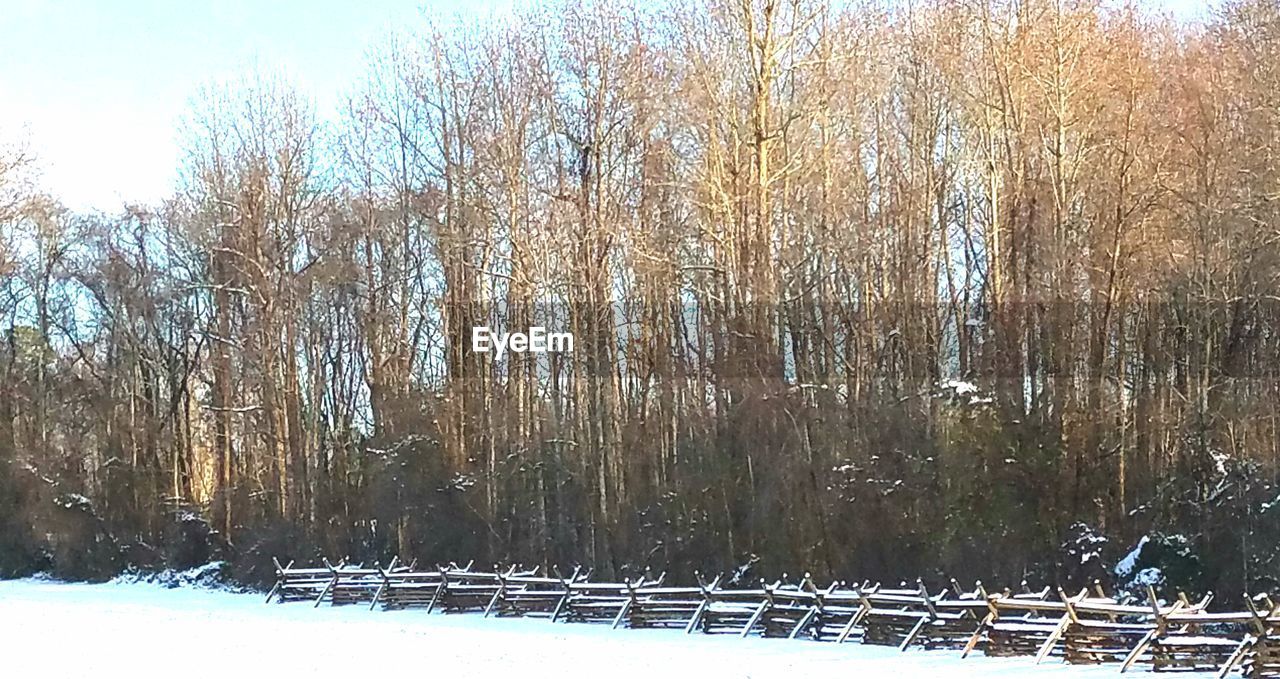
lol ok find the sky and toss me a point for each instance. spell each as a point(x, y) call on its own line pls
point(97, 88)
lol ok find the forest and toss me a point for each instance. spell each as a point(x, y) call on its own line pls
point(871, 289)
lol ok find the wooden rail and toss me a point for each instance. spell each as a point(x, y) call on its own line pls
point(1087, 627)
point(530, 595)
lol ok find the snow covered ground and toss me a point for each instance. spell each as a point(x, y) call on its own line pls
point(52, 629)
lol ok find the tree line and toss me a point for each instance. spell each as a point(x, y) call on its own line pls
point(870, 289)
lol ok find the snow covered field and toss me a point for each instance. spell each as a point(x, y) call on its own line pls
point(141, 630)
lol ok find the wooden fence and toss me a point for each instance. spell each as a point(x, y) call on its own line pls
point(1085, 627)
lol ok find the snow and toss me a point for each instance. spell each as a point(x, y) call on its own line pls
point(140, 629)
point(72, 501)
point(1198, 641)
point(1127, 564)
point(1045, 624)
point(960, 387)
point(741, 572)
point(1149, 576)
point(1220, 462)
point(1087, 542)
point(207, 575)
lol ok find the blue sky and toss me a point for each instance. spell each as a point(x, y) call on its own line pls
point(97, 87)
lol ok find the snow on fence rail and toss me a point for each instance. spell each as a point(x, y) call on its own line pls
point(1088, 627)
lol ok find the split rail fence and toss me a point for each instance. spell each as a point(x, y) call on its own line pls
point(1087, 627)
